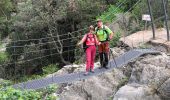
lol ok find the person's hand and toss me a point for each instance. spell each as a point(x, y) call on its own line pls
point(99, 43)
point(110, 37)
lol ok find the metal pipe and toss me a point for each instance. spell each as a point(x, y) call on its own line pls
point(166, 18)
point(152, 20)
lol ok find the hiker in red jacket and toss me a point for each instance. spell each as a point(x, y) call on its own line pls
point(90, 41)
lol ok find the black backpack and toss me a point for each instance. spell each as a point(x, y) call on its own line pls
point(84, 44)
point(104, 32)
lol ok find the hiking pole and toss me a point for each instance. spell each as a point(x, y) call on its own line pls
point(113, 57)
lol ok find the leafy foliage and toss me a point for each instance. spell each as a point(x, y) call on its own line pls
point(9, 93)
point(127, 4)
point(3, 57)
point(110, 14)
point(50, 69)
point(5, 83)
point(6, 7)
point(115, 39)
point(157, 10)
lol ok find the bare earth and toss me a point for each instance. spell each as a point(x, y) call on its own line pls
point(136, 39)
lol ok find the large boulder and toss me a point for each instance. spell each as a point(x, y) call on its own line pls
point(153, 74)
point(99, 87)
point(135, 92)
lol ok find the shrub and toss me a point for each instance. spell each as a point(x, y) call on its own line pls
point(5, 83)
point(50, 69)
point(115, 39)
point(110, 14)
point(10, 93)
point(3, 57)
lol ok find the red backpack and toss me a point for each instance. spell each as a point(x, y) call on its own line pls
point(84, 44)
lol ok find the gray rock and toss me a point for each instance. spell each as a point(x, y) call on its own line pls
point(99, 87)
point(135, 92)
point(148, 80)
point(152, 73)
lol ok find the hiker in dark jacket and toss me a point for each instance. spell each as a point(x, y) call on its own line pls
point(104, 34)
point(90, 41)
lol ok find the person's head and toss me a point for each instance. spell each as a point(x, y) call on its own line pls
point(91, 28)
point(99, 23)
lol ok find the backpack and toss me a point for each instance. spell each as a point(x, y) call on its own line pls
point(104, 32)
point(84, 44)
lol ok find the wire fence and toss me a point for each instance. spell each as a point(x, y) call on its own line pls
point(53, 48)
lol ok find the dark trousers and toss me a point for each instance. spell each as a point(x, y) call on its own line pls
point(103, 52)
point(104, 59)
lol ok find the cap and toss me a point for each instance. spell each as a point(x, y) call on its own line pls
point(99, 20)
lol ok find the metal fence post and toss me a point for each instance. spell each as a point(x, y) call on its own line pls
point(152, 19)
point(166, 18)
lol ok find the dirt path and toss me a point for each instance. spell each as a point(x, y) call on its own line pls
point(138, 38)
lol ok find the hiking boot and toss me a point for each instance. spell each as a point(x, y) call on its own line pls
point(92, 71)
point(86, 73)
point(106, 67)
point(100, 67)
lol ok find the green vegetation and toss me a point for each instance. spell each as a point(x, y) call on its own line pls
point(1, 45)
point(3, 57)
point(110, 15)
point(50, 69)
point(123, 82)
point(115, 39)
point(37, 19)
point(6, 7)
point(5, 83)
point(9, 93)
